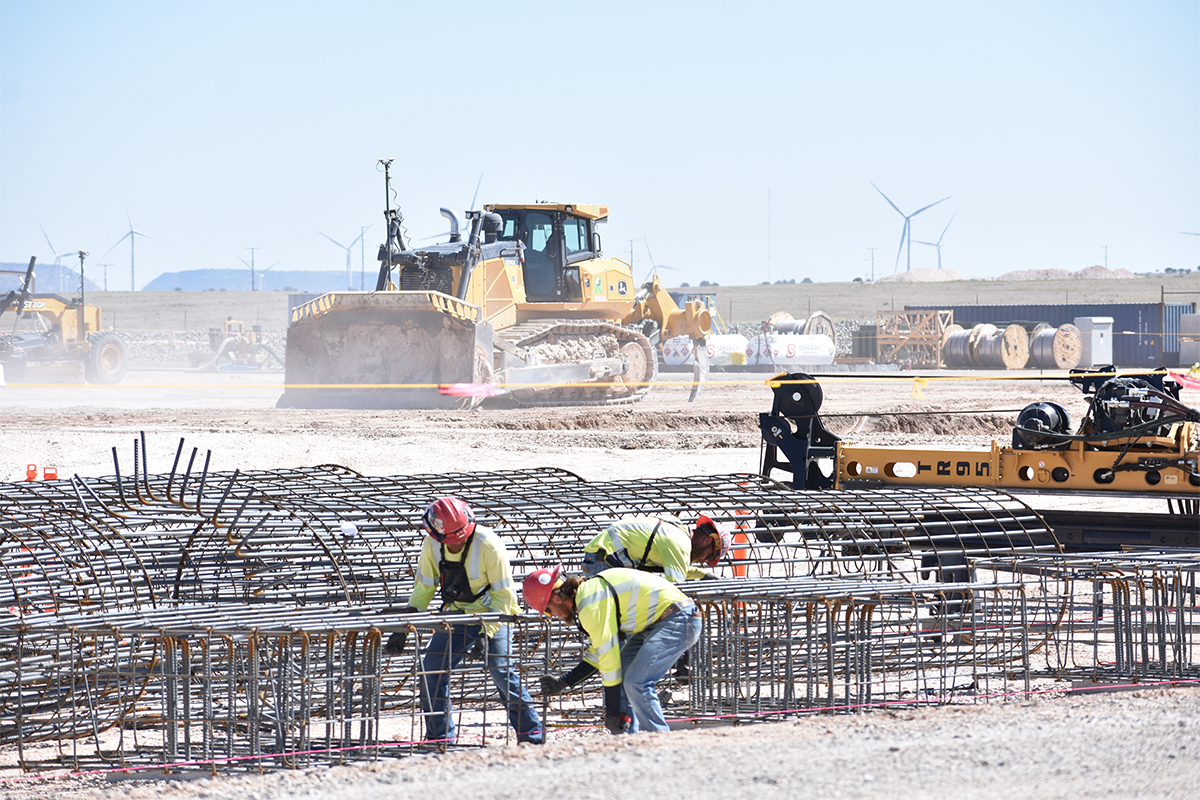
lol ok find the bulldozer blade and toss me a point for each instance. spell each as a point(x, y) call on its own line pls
point(387, 350)
point(700, 371)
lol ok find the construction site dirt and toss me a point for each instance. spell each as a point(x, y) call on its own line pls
point(1059, 743)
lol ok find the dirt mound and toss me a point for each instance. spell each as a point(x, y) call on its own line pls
point(1036, 275)
point(616, 420)
point(941, 424)
point(923, 276)
point(1087, 273)
point(1102, 273)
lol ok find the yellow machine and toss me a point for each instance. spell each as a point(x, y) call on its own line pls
point(1137, 438)
point(59, 340)
point(527, 306)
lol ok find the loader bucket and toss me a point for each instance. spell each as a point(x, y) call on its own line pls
point(384, 350)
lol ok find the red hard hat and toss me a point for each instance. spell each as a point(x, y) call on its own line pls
point(538, 587)
point(449, 520)
point(706, 528)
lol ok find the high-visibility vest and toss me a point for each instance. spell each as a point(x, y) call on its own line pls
point(641, 597)
point(487, 569)
point(651, 544)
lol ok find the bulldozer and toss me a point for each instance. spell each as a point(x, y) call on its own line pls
point(62, 341)
point(526, 308)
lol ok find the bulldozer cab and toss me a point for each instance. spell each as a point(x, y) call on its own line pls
point(554, 240)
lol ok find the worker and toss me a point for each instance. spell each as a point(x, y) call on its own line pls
point(468, 565)
point(639, 625)
point(657, 544)
point(652, 544)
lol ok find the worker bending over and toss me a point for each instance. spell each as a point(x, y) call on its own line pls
point(657, 544)
point(468, 565)
point(639, 625)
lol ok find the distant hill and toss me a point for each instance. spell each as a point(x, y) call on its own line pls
point(48, 278)
point(238, 280)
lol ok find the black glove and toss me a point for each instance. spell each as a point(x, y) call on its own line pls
point(395, 643)
point(475, 649)
point(614, 724)
point(552, 685)
point(612, 707)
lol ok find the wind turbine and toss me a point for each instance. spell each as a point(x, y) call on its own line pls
point(132, 237)
point(654, 267)
point(347, 248)
point(938, 243)
point(58, 273)
point(906, 233)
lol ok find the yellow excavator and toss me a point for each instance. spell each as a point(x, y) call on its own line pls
point(526, 307)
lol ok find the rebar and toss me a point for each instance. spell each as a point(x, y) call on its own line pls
point(236, 617)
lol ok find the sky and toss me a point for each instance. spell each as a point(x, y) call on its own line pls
point(734, 142)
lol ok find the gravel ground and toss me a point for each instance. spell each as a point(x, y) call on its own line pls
point(1143, 743)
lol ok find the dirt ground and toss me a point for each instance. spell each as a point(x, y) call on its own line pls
point(1139, 743)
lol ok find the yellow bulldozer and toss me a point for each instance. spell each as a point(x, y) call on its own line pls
point(526, 307)
point(56, 339)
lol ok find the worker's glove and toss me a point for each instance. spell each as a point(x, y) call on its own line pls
point(709, 576)
point(475, 650)
point(612, 709)
point(395, 643)
point(552, 685)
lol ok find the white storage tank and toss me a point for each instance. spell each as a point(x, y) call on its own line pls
point(789, 349)
point(724, 350)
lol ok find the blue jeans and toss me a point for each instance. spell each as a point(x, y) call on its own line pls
point(645, 659)
point(446, 649)
point(593, 565)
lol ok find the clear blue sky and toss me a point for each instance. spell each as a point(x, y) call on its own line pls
point(1058, 128)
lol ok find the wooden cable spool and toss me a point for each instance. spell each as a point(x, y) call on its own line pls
point(954, 347)
point(1056, 348)
point(1001, 349)
point(1014, 347)
point(979, 333)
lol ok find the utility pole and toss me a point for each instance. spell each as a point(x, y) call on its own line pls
point(80, 315)
point(106, 266)
point(631, 256)
point(768, 234)
point(1105, 255)
point(251, 249)
point(872, 249)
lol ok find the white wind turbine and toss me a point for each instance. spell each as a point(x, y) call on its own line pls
point(347, 248)
point(132, 237)
point(906, 234)
point(59, 274)
point(938, 243)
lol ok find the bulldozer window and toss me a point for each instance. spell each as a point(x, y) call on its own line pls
point(540, 258)
point(511, 227)
point(541, 230)
point(575, 233)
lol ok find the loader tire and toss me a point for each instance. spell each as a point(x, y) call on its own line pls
point(107, 360)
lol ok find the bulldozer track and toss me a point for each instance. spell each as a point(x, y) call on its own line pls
point(530, 334)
